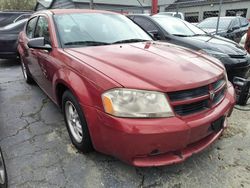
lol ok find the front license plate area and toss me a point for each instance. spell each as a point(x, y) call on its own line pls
point(218, 124)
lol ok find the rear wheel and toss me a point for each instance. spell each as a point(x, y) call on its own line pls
point(76, 122)
point(26, 73)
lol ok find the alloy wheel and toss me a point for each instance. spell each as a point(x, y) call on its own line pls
point(73, 120)
point(2, 171)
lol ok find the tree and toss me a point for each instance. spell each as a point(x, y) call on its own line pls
point(17, 4)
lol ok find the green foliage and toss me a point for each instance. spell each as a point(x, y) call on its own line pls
point(17, 4)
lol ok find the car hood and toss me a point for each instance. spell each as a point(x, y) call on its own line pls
point(214, 43)
point(153, 66)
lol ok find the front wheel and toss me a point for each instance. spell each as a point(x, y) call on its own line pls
point(3, 174)
point(76, 123)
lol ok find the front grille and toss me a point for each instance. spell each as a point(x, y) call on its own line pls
point(218, 96)
point(188, 94)
point(218, 84)
point(191, 101)
point(188, 109)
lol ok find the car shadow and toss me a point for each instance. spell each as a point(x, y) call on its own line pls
point(5, 63)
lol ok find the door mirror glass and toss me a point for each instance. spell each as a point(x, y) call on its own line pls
point(235, 28)
point(155, 34)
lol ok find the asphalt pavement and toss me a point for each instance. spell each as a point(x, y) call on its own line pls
point(38, 152)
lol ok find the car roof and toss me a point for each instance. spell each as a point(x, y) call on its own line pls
point(72, 11)
point(153, 16)
point(225, 17)
point(144, 15)
point(15, 24)
point(164, 16)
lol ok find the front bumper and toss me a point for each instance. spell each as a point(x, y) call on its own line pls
point(236, 66)
point(156, 142)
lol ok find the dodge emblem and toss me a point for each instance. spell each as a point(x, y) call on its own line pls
point(211, 95)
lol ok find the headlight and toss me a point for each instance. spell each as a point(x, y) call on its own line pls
point(136, 103)
point(215, 54)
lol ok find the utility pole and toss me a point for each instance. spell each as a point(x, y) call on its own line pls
point(154, 7)
point(218, 21)
point(91, 4)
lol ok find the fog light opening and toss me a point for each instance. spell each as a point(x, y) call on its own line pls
point(155, 152)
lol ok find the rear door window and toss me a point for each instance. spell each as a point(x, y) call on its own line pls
point(30, 28)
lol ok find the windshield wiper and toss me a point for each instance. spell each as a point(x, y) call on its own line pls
point(180, 35)
point(87, 43)
point(129, 41)
point(196, 35)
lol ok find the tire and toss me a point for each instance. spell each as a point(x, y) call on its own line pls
point(3, 173)
point(26, 74)
point(76, 123)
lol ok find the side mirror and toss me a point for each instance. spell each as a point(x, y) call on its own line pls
point(235, 28)
point(155, 34)
point(39, 43)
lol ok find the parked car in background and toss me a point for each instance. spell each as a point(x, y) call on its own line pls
point(8, 17)
point(174, 14)
point(8, 39)
point(147, 103)
point(180, 32)
point(230, 27)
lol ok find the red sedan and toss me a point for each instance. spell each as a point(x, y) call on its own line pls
point(144, 102)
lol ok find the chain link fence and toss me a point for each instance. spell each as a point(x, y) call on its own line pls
point(196, 11)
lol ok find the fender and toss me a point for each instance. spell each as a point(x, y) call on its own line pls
point(75, 83)
point(81, 87)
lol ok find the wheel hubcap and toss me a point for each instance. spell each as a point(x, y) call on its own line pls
point(24, 70)
point(73, 121)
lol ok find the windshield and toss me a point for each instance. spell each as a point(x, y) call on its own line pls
point(89, 29)
point(178, 27)
point(211, 23)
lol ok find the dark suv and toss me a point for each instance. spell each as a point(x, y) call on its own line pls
point(180, 32)
point(230, 27)
point(8, 17)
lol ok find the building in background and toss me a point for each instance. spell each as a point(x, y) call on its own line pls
point(128, 6)
point(197, 10)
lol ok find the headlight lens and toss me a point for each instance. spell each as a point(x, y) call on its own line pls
point(136, 103)
point(215, 54)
